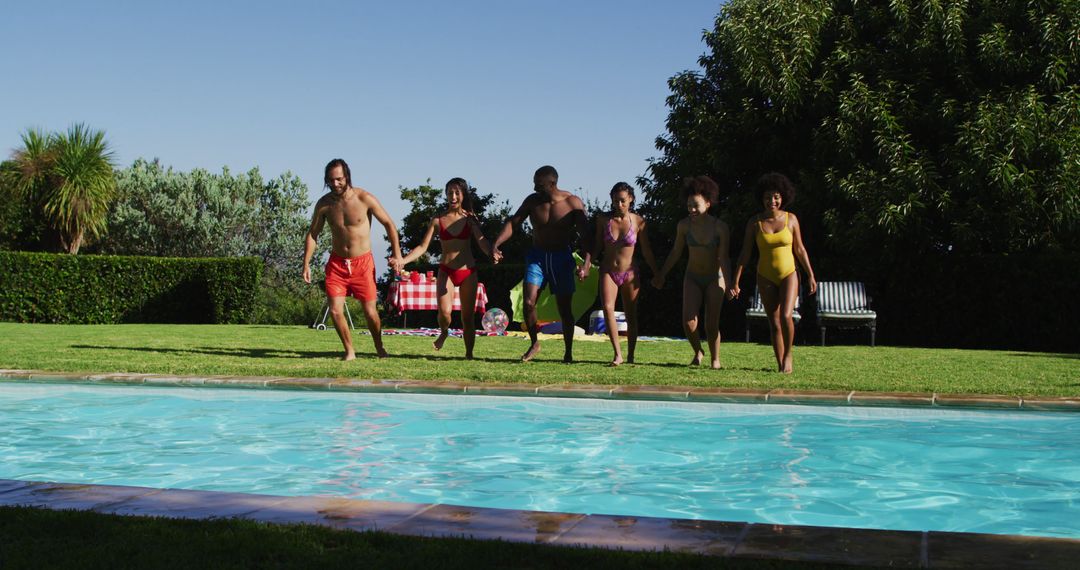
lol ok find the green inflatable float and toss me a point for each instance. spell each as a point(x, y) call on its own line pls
point(547, 310)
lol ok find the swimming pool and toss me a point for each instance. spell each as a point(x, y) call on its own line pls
point(895, 468)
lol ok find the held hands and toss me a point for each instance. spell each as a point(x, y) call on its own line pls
point(658, 281)
point(583, 271)
point(733, 291)
point(395, 263)
point(496, 255)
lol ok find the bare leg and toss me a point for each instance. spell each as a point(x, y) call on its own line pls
point(529, 294)
point(629, 301)
point(467, 292)
point(445, 292)
point(789, 290)
point(690, 309)
point(608, 292)
point(770, 299)
point(566, 315)
point(714, 301)
point(374, 325)
point(337, 315)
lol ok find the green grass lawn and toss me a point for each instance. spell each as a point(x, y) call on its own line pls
point(302, 352)
point(39, 538)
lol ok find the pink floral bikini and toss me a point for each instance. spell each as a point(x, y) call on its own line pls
point(620, 277)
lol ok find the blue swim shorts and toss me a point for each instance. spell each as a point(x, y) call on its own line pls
point(554, 268)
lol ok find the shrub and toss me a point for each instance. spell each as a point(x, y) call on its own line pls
point(41, 287)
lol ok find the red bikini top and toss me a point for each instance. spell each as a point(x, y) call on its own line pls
point(463, 234)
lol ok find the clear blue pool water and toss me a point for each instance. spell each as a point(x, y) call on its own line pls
point(908, 469)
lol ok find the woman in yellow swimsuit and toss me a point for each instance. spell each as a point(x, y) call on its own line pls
point(706, 238)
point(779, 243)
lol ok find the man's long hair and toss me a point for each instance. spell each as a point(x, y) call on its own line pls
point(344, 166)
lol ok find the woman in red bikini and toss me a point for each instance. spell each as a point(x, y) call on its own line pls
point(619, 232)
point(457, 227)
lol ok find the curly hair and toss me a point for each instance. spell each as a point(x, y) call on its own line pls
point(774, 182)
point(701, 186)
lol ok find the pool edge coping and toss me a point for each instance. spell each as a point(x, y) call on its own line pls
point(845, 545)
point(724, 539)
point(852, 398)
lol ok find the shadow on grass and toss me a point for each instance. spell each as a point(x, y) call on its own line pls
point(1068, 356)
point(241, 352)
point(275, 353)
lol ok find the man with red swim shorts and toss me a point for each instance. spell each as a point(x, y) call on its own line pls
point(351, 269)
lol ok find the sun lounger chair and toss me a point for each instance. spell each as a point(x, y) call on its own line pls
point(845, 305)
point(756, 312)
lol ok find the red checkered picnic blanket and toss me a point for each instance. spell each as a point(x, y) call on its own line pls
point(409, 296)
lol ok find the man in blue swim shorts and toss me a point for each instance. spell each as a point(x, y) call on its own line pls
point(558, 221)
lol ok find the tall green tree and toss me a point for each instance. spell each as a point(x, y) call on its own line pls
point(163, 212)
point(21, 226)
point(910, 126)
point(67, 178)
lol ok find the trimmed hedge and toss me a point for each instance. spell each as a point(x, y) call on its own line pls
point(52, 288)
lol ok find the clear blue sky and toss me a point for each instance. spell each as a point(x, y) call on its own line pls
point(486, 90)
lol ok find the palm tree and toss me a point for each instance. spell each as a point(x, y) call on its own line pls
point(69, 177)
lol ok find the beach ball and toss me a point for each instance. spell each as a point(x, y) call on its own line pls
point(495, 321)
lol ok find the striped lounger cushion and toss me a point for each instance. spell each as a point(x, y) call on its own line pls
point(844, 300)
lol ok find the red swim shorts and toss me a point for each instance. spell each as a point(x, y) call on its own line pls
point(351, 276)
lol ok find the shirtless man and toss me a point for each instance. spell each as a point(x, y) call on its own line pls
point(556, 216)
point(351, 269)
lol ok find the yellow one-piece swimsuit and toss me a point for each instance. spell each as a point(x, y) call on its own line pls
point(775, 259)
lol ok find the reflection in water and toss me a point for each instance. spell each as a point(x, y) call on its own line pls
point(1013, 473)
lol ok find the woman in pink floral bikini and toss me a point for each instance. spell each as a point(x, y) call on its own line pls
point(619, 233)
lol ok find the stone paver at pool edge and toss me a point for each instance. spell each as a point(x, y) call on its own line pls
point(905, 549)
point(660, 393)
point(717, 538)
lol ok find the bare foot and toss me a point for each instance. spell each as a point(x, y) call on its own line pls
point(349, 356)
point(439, 341)
point(617, 360)
point(532, 352)
point(698, 356)
point(468, 356)
point(381, 352)
point(630, 359)
point(716, 364)
point(568, 358)
point(786, 368)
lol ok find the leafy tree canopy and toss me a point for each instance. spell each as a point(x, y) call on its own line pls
point(909, 126)
point(21, 226)
point(163, 212)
